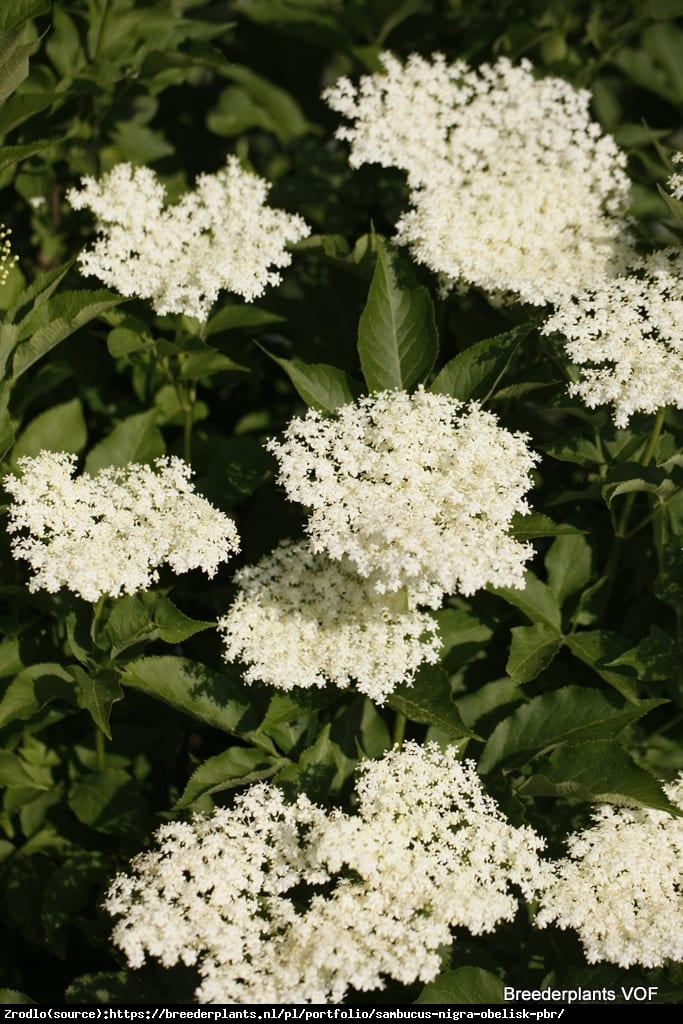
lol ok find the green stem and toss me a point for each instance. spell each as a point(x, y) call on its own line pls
point(399, 730)
point(189, 395)
point(621, 531)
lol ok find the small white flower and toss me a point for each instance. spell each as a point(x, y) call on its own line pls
point(7, 260)
point(514, 188)
point(626, 335)
point(220, 236)
point(416, 491)
point(300, 619)
point(621, 887)
point(285, 903)
point(675, 180)
point(109, 533)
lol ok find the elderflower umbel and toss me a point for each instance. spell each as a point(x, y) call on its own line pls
point(417, 491)
point(300, 619)
point(220, 236)
point(109, 533)
point(7, 260)
point(626, 334)
point(514, 188)
point(280, 903)
point(621, 887)
point(675, 180)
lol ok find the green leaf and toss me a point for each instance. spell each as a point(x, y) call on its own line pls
point(57, 319)
point(428, 701)
point(14, 771)
point(569, 563)
point(60, 429)
point(598, 771)
point(322, 387)
point(570, 714)
point(145, 616)
point(20, 108)
point(218, 699)
point(69, 889)
point(15, 14)
point(97, 694)
point(536, 524)
point(599, 649)
point(40, 290)
point(108, 801)
point(9, 996)
point(476, 372)
point(535, 600)
point(531, 650)
point(230, 317)
point(397, 339)
point(11, 155)
point(255, 103)
point(629, 477)
point(135, 439)
point(236, 766)
point(32, 689)
point(207, 362)
point(13, 61)
point(463, 986)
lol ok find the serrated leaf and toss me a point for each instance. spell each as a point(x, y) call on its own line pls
point(32, 689)
point(475, 372)
point(322, 387)
point(135, 439)
point(59, 429)
point(57, 319)
point(145, 616)
point(236, 766)
point(599, 649)
point(535, 600)
point(464, 986)
point(532, 649)
point(598, 771)
point(108, 801)
point(429, 701)
point(569, 563)
point(397, 339)
point(218, 699)
point(570, 714)
point(97, 694)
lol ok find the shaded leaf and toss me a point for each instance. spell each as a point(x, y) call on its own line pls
point(236, 766)
point(597, 770)
point(322, 387)
point(135, 439)
point(32, 689)
point(475, 372)
point(570, 714)
point(531, 650)
point(59, 429)
point(97, 694)
point(535, 600)
point(428, 701)
point(464, 986)
point(397, 340)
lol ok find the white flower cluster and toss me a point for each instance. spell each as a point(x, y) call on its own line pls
point(428, 851)
point(514, 188)
point(109, 533)
point(220, 236)
point(300, 619)
point(675, 180)
point(416, 490)
point(7, 260)
point(626, 334)
point(621, 887)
